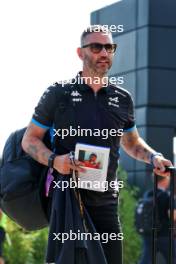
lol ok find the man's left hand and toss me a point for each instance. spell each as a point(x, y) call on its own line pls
point(160, 164)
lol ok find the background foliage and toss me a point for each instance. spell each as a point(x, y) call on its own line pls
point(127, 203)
point(23, 247)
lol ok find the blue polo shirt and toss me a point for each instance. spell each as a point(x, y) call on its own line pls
point(111, 108)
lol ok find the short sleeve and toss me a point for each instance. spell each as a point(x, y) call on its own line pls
point(44, 112)
point(130, 123)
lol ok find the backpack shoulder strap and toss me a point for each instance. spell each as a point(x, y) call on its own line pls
point(12, 148)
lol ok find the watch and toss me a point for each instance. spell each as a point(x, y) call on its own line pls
point(51, 160)
point(153, 155)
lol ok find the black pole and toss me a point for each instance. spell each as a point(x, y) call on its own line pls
point(154, 220)
point(171, 224)
point(171, 216)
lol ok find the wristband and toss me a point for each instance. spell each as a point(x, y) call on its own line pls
point(51, 160)
point(153, 155)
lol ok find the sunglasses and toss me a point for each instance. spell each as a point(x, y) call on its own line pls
point(97, 47)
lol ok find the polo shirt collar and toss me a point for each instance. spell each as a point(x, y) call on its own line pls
point(84, 87)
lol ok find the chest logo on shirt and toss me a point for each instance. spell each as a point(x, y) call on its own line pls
point(114, 101)
point(76, 96)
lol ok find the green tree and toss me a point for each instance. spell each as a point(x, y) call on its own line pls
point(24, 247)
point(127, 204)
point(39, 246)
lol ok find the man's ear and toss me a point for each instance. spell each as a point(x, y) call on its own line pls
point(80, 53)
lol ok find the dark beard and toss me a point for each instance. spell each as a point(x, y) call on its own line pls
point(93, 67)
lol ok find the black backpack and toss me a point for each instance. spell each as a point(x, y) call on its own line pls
point(22, 181)
point(144, 213)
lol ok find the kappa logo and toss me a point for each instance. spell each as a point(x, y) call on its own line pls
point(113, 101)
point(75, 93)
point(76, 96)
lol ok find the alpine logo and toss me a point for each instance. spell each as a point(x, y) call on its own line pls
point(113, 101)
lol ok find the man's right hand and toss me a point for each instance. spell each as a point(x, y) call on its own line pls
point(32, 144)
point(63, 165)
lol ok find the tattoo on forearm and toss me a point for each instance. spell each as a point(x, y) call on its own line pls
point(33, 151)
point(141, 152)
point(45, 155)
point(136, 147)
point(35, 147)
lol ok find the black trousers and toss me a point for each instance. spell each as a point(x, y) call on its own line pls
point(106, 220)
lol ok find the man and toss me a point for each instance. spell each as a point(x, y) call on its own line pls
point(111, 108)
point(163, 226)
point(91, 162)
